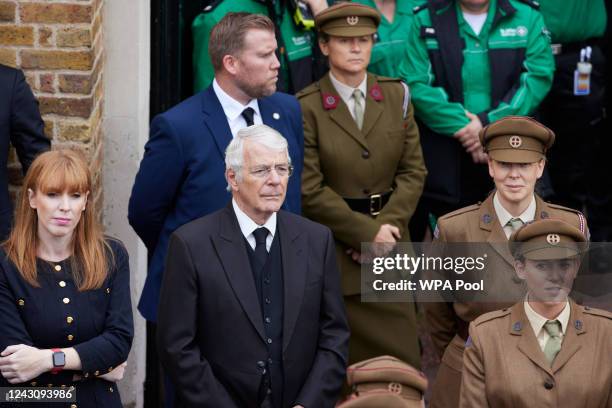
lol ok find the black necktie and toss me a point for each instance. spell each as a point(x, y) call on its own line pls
point(248, 114)
point(261, 253)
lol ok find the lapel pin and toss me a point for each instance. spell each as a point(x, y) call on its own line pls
point(517, 326)
point(486, 218)
point(578, 325)
point(276, 116)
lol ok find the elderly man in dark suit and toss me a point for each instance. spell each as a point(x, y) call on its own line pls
point(181, 174)
point(251, 312)
point(21, 126)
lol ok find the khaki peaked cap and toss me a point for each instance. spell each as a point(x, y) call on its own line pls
point(547, 239)
point(516, 139)
point(348, 20)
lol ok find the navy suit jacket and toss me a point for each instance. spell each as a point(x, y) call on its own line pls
point(22, 126)
point(182, 173)
point(211, 337)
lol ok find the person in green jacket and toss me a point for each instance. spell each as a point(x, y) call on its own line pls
point(574, 109)
point(470, 63)
point(391, 39)
point(300, 66)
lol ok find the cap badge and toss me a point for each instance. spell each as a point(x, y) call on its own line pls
point(395, 388)
point(516, 142)
point(553, 239)
point(352, 20)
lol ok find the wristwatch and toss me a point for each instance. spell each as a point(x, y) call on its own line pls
point(59, 360)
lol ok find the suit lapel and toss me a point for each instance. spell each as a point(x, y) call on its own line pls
point(527, 344)
point(373, 109)
point(294, 248)
point(571, 342)
point(340, 114)
point(496, 238)
point(215, 120)
point(270, 115)
point(232, 254)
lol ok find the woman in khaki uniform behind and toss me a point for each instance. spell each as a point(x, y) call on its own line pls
point(545, 351)
point(363, 172)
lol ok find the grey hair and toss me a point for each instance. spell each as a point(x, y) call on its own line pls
point(262, 134)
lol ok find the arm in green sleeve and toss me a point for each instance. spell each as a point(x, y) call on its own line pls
point(535, 81)
point(203, 72)
point(431, 102)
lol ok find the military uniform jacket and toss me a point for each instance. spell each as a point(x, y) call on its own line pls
point(504, 365)
point(479, 224)
point(342, 161)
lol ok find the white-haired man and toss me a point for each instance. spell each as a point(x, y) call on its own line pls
point(240, 279)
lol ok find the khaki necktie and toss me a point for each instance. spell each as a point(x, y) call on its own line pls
point(515, 223)
point(553, 345)
point(358, 110)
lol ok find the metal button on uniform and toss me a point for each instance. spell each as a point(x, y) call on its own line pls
point(58, 267)
point(86, 375)
point(69, 319)
point(73, 406)
point(62, 284)
point(70, 337)
point(269, 361)
point(267, 301)
point(269, 391)
point(269, 341)
point(365, 154)
point(548, 385)
point(261, 364)
point(107, 290)
point(21, 302)
point(96, 373)
point(66, 301)
point(263, 371)
point(110, 389)
point(268, 320)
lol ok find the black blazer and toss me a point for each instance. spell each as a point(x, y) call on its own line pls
point(210, 329)
point(22, 126)
point(100, 330)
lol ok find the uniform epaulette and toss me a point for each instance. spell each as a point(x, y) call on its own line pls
point(460, 211)
point(419, 8)
point(597, 312)
point(561, 207)
point(491, 316)
point(387, 79)
point(532, 3)
point(310, 89)
point(211, 6)
point(581, 219)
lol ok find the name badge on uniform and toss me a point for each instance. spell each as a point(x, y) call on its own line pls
point(582, 74)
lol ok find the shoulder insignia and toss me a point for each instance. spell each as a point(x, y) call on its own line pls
point(492, 316)
point(211, 6)
point(532, 3)
point(468, 342)
point(330, 101)
point(376, 93)
point(310, 89)
point(597, 312)
point(582, 224)
point(418, 9)
point(460, 211)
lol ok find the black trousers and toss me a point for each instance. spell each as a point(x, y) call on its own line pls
point(579, 164)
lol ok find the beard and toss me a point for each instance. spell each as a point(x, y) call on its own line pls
point(255, 90)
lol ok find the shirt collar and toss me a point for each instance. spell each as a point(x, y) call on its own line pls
point(232, 107)
point(247, 225)
point(537, 321)
point(504, 216)
point(345, 91)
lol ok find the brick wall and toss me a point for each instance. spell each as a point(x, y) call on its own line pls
point(59, 46)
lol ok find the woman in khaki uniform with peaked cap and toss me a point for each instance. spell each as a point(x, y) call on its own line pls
point(363, 172)
point(545, 351)
point(517, 152)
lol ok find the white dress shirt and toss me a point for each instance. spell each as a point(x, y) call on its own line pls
point(504, 216)
point(247, 226)
point(537, 321)
point(233, 109)
point(346, 92)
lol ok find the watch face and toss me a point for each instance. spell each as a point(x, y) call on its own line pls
point(59, 359)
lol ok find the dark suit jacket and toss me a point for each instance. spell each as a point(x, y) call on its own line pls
point(210, 329)
point(22, 126)
point(182, 173)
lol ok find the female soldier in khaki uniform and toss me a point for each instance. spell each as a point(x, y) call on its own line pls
point(545, 351)
point(363, 172)
point(516, 147)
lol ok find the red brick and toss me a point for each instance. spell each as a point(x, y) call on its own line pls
point(45, 38)
point(80, 107)
point(55, 13)
point(73, 37)
point(47, 83)
point(42, 59)
point(7, 11)
point(16, 35)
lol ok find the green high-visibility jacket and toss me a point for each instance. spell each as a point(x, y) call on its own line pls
point(574, 20)
point(505, 70)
